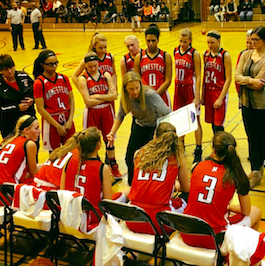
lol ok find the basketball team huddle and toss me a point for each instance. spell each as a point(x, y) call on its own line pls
point(155, 156)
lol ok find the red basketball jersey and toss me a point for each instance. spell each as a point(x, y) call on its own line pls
point(52, 172)
point(88, 182)
point(55, 93)
point(99, 86)
point(151, 188)
point(129, 62)
point(153, 70)
point(184, 66)
point(209, 197)
point(106, 64)
point(214, 70)
point(13, 161)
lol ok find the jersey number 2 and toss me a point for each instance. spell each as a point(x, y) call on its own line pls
point(10, 148)
point(210, 190)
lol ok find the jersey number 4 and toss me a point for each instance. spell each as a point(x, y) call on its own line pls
point(207, 198)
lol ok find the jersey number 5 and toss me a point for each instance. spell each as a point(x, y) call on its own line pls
point(10, 148)
point(210, 190)
point(80, 179)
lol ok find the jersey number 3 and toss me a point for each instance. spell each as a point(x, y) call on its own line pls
point(207, 198)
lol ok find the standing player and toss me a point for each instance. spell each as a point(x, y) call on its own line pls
point(98, 92)
point(127, 61)
point(154, 65)
point(106, 60)
point(216, 81)
point(18, 152)
point(213, 185)
point(55, 101)
point(188, 83)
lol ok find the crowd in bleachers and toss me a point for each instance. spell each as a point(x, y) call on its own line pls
point(82, 11)
point(229, 10)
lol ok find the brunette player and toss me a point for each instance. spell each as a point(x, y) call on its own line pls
point(127, 61)
point(188, 83)
point(213, 184)
point(55, 101)
point(18, 152)
point(154, 65)
point(91, 177)
point(106, 60)
point(216, 81)
point(157, 165)
point(98, 92)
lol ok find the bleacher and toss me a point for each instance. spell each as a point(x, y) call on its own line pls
point(174, 6)
point(257, 20)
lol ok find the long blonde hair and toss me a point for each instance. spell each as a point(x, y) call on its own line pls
point(153, 155)
point(17, 130)
point(97, 37)
point(125, 98)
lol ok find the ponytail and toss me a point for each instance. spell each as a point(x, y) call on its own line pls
point(38, 68)
point(23, 122)
point(225, 148)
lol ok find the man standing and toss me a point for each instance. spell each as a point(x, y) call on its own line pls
point(15, 21)
point(36, 21)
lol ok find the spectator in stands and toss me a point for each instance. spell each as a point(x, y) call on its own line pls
point(156, 12)
point(74, 11)
point(164, 15)
point(29, 10)
point(111, 14)
point(55, 6)
point(263, 7)
point(133, 15)
point(219, 16)
point(104, 5)
point(85, 13)
point(246, 12)
point(69, 4)
point(23, 6)
point(95, 15)
point(231, 11)
point(47, 8)
point(3, 12)
point(148, 10)
point(62, 13)
point(124, 14)
point(213, 7)
point(140, 8)
point(93, 2)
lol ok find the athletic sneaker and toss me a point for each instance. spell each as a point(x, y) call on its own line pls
point(254, 178)
point(197, 155)
point(115, 171)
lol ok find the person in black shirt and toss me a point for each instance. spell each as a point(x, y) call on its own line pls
point(16, 95)
point(111, 14)
point(246, 12)
point(133, 15)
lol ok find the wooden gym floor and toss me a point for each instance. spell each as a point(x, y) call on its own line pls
point(70, 48)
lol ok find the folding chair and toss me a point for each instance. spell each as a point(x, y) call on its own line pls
point(134, 242)
point(176, 250)
point(70, 234)
point(36, 229)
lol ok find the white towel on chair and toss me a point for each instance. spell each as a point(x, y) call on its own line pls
point(71, 210)
point(241, 241)
point(109, 243)
point(28, 199)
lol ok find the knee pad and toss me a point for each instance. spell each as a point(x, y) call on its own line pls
point(108, 148)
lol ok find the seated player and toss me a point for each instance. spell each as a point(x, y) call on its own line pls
point(18, 151)
point(157, 166)
point(213, 184)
